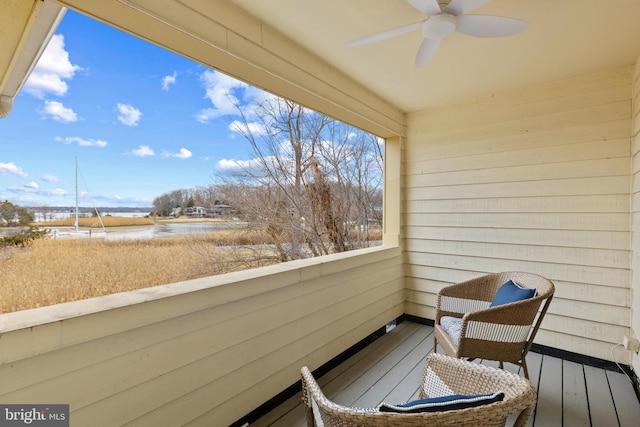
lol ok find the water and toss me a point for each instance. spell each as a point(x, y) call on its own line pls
point(70, 213)
point(159, 230)
point(171, 229)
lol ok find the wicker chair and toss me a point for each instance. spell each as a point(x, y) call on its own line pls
point(502, 333)
point(442, 375)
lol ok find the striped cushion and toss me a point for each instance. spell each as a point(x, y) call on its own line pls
point(444, 403)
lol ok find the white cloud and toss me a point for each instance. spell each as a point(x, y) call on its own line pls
point(81, 141)
point(253, 128)
point(22, 189)
point(34, 188)
point(167, 81)
point(235, 167)
point(182, 154)
point(51, 71)
point(128, 114)
point(207, 114)
point(220, 90)
point(59, 112)
point(55, 192)
point(50, 178)
point(143, 151)
point(11, 169)
point(37, 190)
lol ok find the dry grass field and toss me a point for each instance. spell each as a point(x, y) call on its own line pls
point(94, 222)
point(53, 271)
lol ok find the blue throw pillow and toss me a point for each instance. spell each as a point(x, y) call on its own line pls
point(444, 403)
point(511, 292)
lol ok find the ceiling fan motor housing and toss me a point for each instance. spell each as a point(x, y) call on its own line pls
point(439, 26)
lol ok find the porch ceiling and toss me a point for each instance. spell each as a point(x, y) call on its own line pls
point(564, 38)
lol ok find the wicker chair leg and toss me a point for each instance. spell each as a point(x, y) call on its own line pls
point(524, 417)
point(524, 368)
point(311, 422)
point(306, 400)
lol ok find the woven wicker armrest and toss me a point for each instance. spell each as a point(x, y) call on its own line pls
point(496, 333)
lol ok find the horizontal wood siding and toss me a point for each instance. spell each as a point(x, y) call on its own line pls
point(538, 180)
point(202, 352)
point(635, 209)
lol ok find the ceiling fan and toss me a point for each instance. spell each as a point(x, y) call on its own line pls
point(445, 17)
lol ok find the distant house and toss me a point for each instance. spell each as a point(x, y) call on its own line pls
point(222, 210)
point(196, 212)
point(218, 211)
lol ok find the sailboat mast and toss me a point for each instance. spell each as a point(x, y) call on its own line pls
point(76, 158)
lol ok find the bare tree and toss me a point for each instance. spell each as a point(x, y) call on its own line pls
point(164, 204)
point(312, 180)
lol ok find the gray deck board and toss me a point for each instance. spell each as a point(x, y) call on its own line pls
point(390, 369)
point(549, 408)
point(601, 407)
point(625, 399)
point(575, 408)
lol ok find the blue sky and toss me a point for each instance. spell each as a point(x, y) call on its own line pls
point(141, 121)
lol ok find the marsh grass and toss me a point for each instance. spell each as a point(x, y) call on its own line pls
point(53, 271)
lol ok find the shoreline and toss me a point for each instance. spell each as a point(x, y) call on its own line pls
point(183, 219)
point(131, 226)
point(112, 222)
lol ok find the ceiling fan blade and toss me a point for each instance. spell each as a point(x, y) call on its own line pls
point(489, 26)
point(384, 35)
point(426, 51)
point(458, 7)
point(428, 7)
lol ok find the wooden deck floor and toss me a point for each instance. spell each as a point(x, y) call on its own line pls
point(569, 393)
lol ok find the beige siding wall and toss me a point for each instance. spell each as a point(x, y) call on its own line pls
point(537, 180)
point(203, 352)
point(635, 208)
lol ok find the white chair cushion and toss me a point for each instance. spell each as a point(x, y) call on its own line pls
point(451, 326)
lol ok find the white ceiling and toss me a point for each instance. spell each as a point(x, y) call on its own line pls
point(564, 38)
